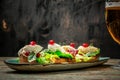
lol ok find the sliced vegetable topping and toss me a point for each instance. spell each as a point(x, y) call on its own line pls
point(76, 51)
point(31, 56)
point(38, 55)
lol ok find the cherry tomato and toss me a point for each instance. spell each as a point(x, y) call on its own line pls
point(27, 53)
point(38, 55)
point(32, 43)
point(72, 45)
point(51, 42)
point(85, 44)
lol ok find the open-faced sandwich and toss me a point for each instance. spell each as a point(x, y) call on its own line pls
point(87, 53)
point(57, 54)
point(28, 53)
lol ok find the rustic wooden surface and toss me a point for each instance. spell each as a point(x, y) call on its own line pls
point(102, 72)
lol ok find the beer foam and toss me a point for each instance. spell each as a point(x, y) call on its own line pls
point(112, 4)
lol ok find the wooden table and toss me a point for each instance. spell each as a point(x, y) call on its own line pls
point(101, 72)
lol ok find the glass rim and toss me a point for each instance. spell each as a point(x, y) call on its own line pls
point(112, 4)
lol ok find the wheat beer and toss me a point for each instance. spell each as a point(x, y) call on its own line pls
point(112, 16)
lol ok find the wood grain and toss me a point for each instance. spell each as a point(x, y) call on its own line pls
point(101, 72)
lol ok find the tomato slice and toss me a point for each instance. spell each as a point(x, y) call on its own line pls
point(27, 53)
point(38, 55)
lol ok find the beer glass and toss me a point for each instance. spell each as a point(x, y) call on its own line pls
point(112, 17)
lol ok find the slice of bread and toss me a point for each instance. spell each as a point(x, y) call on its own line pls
point(24, 59)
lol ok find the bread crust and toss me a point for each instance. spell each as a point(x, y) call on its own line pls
point(64, 60)
point(24, 59)
point(93, 59)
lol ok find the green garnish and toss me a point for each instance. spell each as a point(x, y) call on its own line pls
point(58, 53)
point(42, 60)
point(63, 55)
point(31, 56)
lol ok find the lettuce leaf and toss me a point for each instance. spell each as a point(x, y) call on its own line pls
point(48, 58)
point(63, 55)
point(58, 53)
point(42, 60)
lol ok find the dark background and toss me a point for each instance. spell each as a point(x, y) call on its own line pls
point(61, 20)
